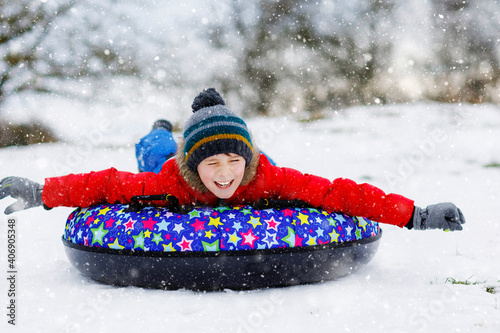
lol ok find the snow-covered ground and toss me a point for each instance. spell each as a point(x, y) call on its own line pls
point(428, 152)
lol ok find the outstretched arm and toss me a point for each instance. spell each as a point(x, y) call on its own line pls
point(345, 196)
point(27, 192)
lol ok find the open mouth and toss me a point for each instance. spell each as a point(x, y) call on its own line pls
point(223, 184)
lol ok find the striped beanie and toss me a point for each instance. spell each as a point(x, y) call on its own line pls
point(213, 129)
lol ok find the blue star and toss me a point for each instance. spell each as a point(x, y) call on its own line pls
point(349, 230)
point(270, 240)
point(163, 225)
point(261, 246)
point(139, 240)
point(126, 216)
point(157, 238)
point(237, 226)
point(340, 217)
point(98, 234)
point(178, 227)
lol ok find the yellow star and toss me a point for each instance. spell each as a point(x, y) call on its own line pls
point(311, 241)
point(234, 239)
point(362, 223)
point(334, 236)
point(116, 245)
point(209, 234)
point(254, 221)
point(303, 218)
point(215, 222)
point(103, 211)
point(96, 221)
point(168, 248)
point(147, 233)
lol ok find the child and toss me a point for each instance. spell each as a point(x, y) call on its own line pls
point(218, 164)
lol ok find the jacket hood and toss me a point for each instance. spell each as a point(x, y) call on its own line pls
point(193, 178)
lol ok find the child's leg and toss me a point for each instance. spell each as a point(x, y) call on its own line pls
point(155, 149)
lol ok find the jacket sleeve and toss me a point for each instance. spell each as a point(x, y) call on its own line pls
point(107, 186)
point(341, 195)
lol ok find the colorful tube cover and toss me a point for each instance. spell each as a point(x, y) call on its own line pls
point(212, 229)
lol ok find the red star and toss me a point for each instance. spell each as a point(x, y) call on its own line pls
point(249, 238)
point(129, 224)
point(109, 223)
point(288, 212)
point(149, 224)
point(272, 224)
point(185, 244)
point(167, 236)
point(322, 242)
point(198, 225)
point(90, 220)
point(298, 240)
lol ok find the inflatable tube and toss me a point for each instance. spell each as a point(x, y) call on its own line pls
point(217, 248)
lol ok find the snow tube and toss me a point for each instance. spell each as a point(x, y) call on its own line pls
point(217, 248)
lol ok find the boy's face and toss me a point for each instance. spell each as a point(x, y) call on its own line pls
point(222, 173)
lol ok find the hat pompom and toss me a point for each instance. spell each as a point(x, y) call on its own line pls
point(208, 97)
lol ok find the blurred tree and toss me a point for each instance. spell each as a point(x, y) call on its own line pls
point(45, 46)
point(305, 55)
point(467, 65)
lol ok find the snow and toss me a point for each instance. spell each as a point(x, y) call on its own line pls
point(428, 152)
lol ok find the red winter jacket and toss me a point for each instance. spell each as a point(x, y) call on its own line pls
point(271, 182)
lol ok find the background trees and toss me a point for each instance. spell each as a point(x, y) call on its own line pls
point(267, 56)
point(82, 50)
point(297, 55)
point(467, 51)
point(53, 46)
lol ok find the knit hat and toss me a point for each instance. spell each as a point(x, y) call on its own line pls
point(213, 129)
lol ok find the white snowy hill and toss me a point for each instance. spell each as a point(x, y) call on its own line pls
point(428, 152)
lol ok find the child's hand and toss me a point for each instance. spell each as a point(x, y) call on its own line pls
point(444, 216)
point(28, 193)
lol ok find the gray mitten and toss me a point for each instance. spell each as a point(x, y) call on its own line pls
point(28, 193)
point(445, 216)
